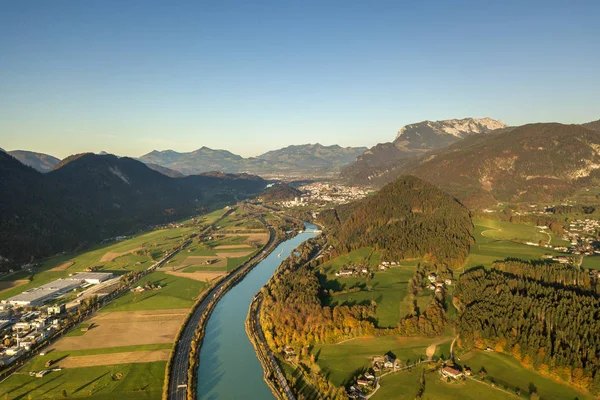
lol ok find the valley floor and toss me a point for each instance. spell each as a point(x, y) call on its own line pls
point(121, 352)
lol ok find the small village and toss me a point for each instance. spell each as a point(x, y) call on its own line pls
point(319, 193)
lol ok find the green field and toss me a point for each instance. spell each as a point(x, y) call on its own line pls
point(193, 250)
point(505, 370)
point(176, 292)
point(38, 363)
point(340, 362)
point(138, 381)
point(239, 221)
point(405, 384)
point(78, 330)
point(387, 288)
point(154, 244)
point(503, 230)
point(591, 262)
point(487, 249)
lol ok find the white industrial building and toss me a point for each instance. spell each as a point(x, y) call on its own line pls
point(39, 295)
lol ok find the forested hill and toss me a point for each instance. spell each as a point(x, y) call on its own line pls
point(280, 192)
point(407, 218)
point(92, 197)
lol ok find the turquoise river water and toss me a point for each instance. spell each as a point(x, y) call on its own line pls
point(229, 368)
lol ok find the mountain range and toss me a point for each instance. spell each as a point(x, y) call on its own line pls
point(535, 162)
point(310, 160)
point(413, 140)
point(292, 161)
point(89, 197)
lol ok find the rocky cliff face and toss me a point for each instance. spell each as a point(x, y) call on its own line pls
point(428, 135)
point(413, 140)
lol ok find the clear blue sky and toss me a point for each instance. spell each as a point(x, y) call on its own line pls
point(131, 76)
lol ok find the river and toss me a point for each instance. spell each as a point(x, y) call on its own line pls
point(228, 367)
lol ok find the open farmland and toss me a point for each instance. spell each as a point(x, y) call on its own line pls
point(116, 329)
point(133, 254)
point(134, 381)
point(130, 357)
point(175, 293)
point(121, 351)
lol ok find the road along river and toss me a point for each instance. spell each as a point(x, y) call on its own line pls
point(229, 368)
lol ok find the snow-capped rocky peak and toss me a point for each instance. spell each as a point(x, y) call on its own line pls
point(455, 127)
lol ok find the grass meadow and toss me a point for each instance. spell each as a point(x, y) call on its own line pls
point(490, 245)
point(175, 292)
point(507, 371)
point(341, 361)
point(125, 382)
point(389, 288)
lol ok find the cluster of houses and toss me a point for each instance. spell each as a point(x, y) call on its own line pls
point(354, 270)
point(387, 264)
point(364, 385)
point(367, 382)
point(437, 284)
point(22, 330)
point(580, 235)
point(362, 270)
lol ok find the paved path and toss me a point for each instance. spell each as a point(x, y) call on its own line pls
point(493, 386)
point(452, 348)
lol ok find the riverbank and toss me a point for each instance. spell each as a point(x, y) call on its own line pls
point(183, 366)
point(273, 375)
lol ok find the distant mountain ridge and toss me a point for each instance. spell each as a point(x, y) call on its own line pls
point(195, 162)
point(594, 125)
point(89, 197)
point(295, 160)
point(39, 161)
point(414, 139)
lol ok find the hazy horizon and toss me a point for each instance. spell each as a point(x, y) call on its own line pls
point(129, 78)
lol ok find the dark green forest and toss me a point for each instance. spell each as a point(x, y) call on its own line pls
point(546, 315)
point(408, 218)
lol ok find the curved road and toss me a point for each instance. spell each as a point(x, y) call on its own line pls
point(179, 367)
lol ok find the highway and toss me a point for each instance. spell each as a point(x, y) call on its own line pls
point(179, 366)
